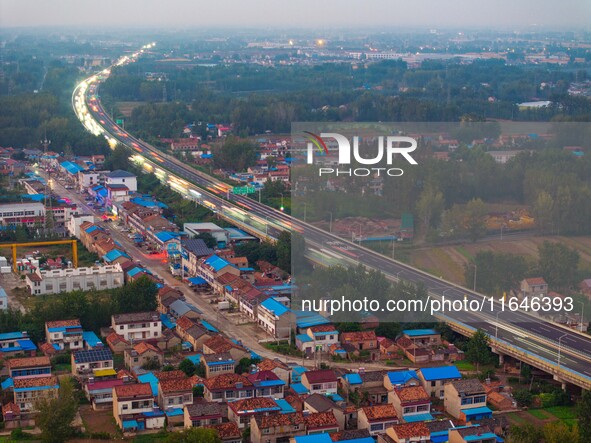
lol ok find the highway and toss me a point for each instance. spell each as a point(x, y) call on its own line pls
point(567, 352)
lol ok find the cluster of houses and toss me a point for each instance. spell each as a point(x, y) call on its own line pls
point(278, 401)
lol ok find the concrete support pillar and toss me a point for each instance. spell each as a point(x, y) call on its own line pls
point(563, 386)
point(501, 359)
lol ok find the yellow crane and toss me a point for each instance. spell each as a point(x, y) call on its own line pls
point(13, 246)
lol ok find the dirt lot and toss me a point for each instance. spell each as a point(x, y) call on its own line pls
point(126, 108)
point(98, 421)
point(449, 261)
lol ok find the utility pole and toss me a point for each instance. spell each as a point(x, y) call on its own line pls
point(49, 225)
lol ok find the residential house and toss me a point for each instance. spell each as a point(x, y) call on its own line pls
point(276, 428)
point(16, 343)
point(193, 333)
point(194, 250)
point(220, 234)
point(320, 338)
point(219, 344)
point(376, 418)
point(465, 400)
point(412, 403)
point(216, 364)
point(434, 379)
point(321, 403)
point(396, 379)
point(116, 343)
point(472, 434)
point(143, 354)
point(64, 335)
point(166, 296)
point(28, 367)
point(203, 414)
point(134, 409)
point(87, 362)
point(227, 387)
point(320, 423)
point(369, 383)
point(280, 369)
point(267, 384)
point(137, 326)
point(214, 266)
point(321, 381)
point(534, 287)
point(388, 348)
point(407, 433)
point(423, 337)
point(3, 300)
point(241, 411)
point(28, 390)
point(120, 177)
point(175, 390)
point(275, 318)
point(100, 392)
point(365, 343)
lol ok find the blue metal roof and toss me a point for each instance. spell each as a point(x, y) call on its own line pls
point(353, 379)
point(92, 229)
point(91, 338)
point(156, 413)
point(299, 370)
point(150, 378)
point(286, 408)
point(114, 255)
point(195, 359)
point(476, 411)
point(417, 417)
point(315, 438)
point(208, 326)
point(220, 362)
point(135, 271)
point(274, 306)
point(401, 377)
point(439, 438)
point(36, 388)
point(165, 236)
point(440, 373)
point(304, 338)
point(218, 263)
point(181, 307)
point(167, 321)
point(71, 167)
point(299, 388)
point(305, 319)
point(419, 332)
point(360, 440)
point(8, 383)
point(269, 383)
point(480, 437)
point(174, 412)
point(197, 280)
point(11, 335)
point(130, 424)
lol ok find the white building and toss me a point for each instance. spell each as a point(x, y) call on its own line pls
point(74, 222)
point(137, 326)
point(220, 234)
point(3, 300)
point(75, 279)
point(120, 177)
point(28, 214)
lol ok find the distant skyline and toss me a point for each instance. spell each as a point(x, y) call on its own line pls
point(385, 15)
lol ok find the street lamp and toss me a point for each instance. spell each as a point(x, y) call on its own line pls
point(560, 347)
point(281, 208)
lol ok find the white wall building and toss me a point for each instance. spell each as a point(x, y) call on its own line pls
point(27, 214)
point(74, 222)
point(75, 279)
point(120, 177)
point(137, 326)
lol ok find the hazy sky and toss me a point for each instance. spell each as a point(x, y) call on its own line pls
point(297, 13)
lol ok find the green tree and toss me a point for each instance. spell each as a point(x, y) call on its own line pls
point(523, 397)
point(119, 158)
point(475, 219)
point(198, 391)
point(209, 239)
point(559, 432)
point(194, 435)
point(284, 251)
point(55, 415)
point(584, 415)
point(235, 154)
point(558, 264)
point(244, 365)
point(136, 297)
point(543, 212)
point(187, 367)
point(430, 207)
point(527, 433)
point(200, 369)
point(477, 349)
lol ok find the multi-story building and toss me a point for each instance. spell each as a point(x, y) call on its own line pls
point(17, 214)
point(472, 434)
point(534, 287)
point(29, 367)
point(191, 332)
point(376, 418)
point(3, 300)
point(214, 266)
point(241, 411)
point(362, 342)
point(367, 383)
point(134, 408)
point(100, 392)
point(412, 403)
point(137, 326)
point(175, 390)
point(64, 335)
point(16, 343)
point(193, 250)
point(75, 279)
point(267, 384)
point(227, 387)
point(120, 177)
point(275, 318)
point(204, 414)
point(406, 433)
point(28, 390)
point(321, 381)
point(434, 379)
point(465, 400)
point(276, 428)
point(87, 362)
point(318, 338)
point(142, 354)
point(216, 364)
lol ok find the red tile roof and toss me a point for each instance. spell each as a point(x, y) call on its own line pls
point(320, 376)
point(113, 339)
point(277, 420)
point(184, 323)
point(62, 323)
point(358, 336)
point(132, 391)
point(176, 385)
point(269, 365)
point(535, 281)
point(11, 408)
point(219, 344)
point(380, 412)
point(322, 328)
point(29, 362)
point(412, 394)
point(248, 405)
point(226, 381)
point(410, 430)
point(169, 375)
point(47, 349)
point(144, 347)
point(321, 420)
point(262, 376)
point(226, 430)
point(35, 382)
